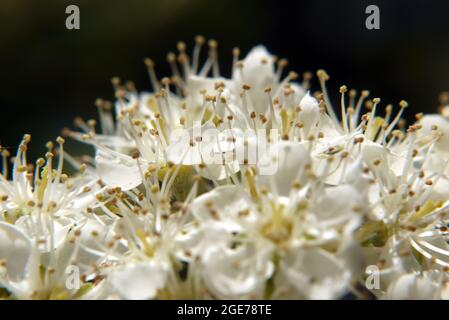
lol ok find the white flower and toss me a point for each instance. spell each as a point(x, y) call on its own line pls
point(138, 281)
point(46, 190)
point(30, 273)
point(281, 222)
point(236, 273)
point(246, 187)
point(412, 286)
point(314, 274)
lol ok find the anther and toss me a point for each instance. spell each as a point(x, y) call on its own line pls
point(199, 40)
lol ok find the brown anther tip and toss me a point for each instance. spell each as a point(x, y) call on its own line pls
point(199, 39)
point(307, 75)
point(120, 93)
point(99, 102)
point(403, 104)
point(213, 44)
point(60, 140)
point(343, 89)
point(364, 93)
point(5, 153)
point(282, 63)
point(49, 145)
point(130, 86)
point(135, 154)
point(171, 57)
point(149, 63)
point(83, 168)
point(293, 75)
point(166, 81)
point(65, 132)
point(115, 81)
point(322, 75)
point(419, 116)
point(181, 46)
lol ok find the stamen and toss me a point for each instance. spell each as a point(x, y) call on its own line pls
point(199, 41)
point(355, 118)
point(343, 89)
point(214, 57)
point(272, 119)
point(153, 78)
point(235, 59)
point(106, 119)
point(282, 63)
point(306, 77)
point(403, 104)
point(323, 77)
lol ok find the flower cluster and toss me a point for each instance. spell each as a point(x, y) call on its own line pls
point(248, 187)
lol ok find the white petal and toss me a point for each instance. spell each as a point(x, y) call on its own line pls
point(120, 172)
point(317, 274)
point(228, 201)
point(430, 120)
point(219, 172)
point(61, 228)
point(196, 84)
point(299, 92)
point(440, 190)
point(412, 287)
point(337, 202)
point(234, 274)
point(309, 104)
point(258, 67)
point(183, 153)
point(284, 163)
point(139, 281)
point(258, 72)
point(15, 249)
point(114, 142)
point(390, 166)
point(436, 163)
point(356, 177)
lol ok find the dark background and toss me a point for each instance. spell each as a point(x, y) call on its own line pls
point(50, 74)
